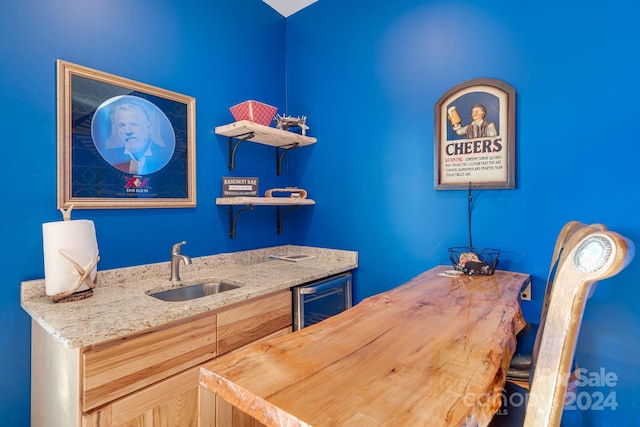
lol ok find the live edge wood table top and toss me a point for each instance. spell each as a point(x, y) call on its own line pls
point(430, 352)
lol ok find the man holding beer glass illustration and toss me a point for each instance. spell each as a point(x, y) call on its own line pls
point(479, 127)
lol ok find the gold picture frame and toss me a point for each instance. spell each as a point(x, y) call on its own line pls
point(479, 149)
point(122, 143)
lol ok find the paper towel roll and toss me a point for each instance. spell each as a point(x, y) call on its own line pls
point(77, 240)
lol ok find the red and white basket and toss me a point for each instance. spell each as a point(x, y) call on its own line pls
point(254, 111)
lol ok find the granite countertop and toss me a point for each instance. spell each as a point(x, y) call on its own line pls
point(121, 304)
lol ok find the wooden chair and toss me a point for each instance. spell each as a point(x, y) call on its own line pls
point(589, 255)
point(520, 366)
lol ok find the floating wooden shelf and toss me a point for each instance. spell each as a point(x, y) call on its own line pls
point(291, 203)
point(245, 130)
point(264, 134)
point(263, 201)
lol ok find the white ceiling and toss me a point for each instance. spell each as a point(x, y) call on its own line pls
point(288, 7)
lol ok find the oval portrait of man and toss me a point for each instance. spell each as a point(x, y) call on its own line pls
point(133, 135)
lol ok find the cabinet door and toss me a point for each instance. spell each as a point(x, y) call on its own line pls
point(228, 415)
point(247, 322)
point(169, 403)
point(114, 369)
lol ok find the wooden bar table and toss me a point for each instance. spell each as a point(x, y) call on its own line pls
point(433, 351)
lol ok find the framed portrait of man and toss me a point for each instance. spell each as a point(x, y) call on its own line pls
point(475, 136)
point(121, 143)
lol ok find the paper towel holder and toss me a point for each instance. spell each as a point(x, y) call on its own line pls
point(85, 278)
point(84, 273)
point(66, 213)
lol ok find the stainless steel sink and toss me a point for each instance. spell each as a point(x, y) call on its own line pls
point(187, 293)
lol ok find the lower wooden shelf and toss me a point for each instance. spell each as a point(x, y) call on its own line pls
point(263, 201)
point(291, 203)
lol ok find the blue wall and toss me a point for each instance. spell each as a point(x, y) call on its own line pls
point(221, 53)
point(369, 86)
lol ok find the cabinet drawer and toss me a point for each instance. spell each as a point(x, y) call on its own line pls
point(115, 368)
point(173, 401)
point(250, 321)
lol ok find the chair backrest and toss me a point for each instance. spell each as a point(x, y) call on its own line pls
point(565, 234)
point(590, 253)
point(563, 237)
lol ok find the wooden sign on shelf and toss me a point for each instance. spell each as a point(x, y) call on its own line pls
point(239, 186)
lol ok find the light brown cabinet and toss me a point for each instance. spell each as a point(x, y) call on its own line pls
point(149, 378)
point(227, 415)
point(239, 326)
point(248, 322)
point(171, 402)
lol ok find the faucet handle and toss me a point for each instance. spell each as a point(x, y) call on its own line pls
point(176, 248)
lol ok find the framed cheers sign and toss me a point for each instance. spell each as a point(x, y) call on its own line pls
point(475, 136)
point(121, 143)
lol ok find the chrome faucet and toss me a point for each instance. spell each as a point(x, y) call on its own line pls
point(176, 257)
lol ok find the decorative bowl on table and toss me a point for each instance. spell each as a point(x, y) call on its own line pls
point(474, 261)
point(254, 111)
